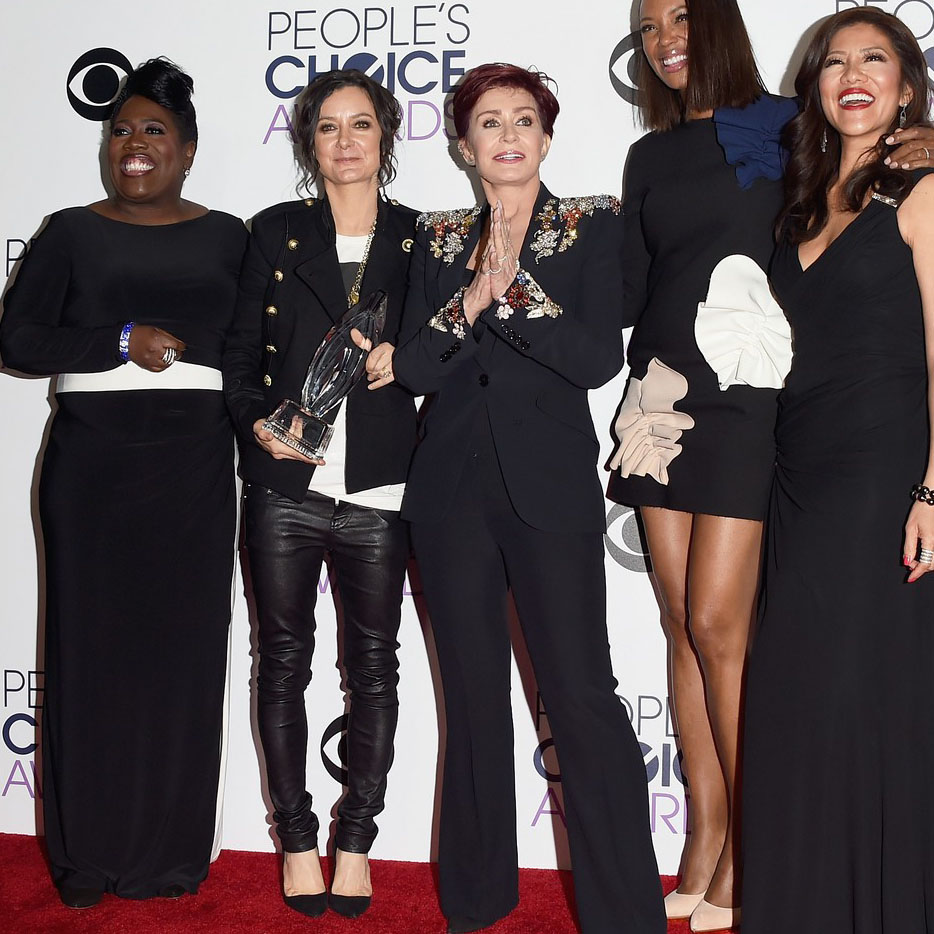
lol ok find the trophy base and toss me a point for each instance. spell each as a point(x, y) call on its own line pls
point(300, 430)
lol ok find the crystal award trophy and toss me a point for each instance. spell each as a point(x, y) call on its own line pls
point(334, 370)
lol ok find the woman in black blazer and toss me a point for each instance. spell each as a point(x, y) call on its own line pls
point(522, 305)
point(307, 261)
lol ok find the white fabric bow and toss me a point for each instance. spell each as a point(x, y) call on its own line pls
point(740, 329)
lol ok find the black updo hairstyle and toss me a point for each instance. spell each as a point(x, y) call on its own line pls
point(164, 83)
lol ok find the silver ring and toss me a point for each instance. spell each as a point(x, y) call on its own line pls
point(927, 155)
point(926, 556)
point(168, 357)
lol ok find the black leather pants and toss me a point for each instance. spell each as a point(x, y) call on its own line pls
point(287, 542)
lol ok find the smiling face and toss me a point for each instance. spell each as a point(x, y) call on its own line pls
point(505, 137)
point(664, 28)
point(347, 138)
point(146, 154)
point(861, 85)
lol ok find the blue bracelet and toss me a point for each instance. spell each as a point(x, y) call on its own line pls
point(124, 345)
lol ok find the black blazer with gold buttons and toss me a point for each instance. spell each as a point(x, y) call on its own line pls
point(556, 334)
point(290, 294)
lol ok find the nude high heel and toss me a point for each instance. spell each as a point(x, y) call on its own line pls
point(679, 905)
point(707, 917)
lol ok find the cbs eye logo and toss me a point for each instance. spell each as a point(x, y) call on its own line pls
point(94, 81)
point(623, 68)
point(918, 16)
point(334, 749)
point(623, 540)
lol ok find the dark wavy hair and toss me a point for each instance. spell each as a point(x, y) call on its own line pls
point(811, 173)
point(307, 112)
point(722, 70)
point(484, 78)
point(163, 82)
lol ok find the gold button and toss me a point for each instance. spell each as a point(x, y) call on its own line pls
point(393, 201)
point(267, 380)
point(272, 311)
point(292, 244)
point(271, 348)
point(407, 245)
point(278, 276)
point(309, 201)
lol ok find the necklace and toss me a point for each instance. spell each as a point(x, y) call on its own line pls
point(353, 296)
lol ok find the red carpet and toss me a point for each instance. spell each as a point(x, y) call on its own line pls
point(241, 895)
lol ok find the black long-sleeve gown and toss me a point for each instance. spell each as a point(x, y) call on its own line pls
point(138, 518)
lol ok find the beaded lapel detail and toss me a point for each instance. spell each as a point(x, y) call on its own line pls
point(450, 229)
point(557, 222)
point(555, 226)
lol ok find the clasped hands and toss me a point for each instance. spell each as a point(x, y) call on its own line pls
point(496, 270)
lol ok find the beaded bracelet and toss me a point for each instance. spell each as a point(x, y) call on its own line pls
point(922, 494)
point(124, 345)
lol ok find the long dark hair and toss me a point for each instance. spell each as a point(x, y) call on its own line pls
point(164, 83)
point(722, 69)
point(811, 173)
point(308, 110)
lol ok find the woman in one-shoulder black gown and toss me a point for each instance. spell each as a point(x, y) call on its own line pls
point(839, 830)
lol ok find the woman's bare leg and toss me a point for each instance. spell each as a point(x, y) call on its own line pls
point(669, 535)
point(723, 577)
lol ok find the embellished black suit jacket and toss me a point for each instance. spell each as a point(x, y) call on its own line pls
point(530, 370)
point(290, 294)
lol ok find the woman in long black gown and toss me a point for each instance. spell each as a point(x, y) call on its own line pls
point(839, 833)
point(137, 505)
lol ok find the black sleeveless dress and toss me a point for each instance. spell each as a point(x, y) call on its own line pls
point(838, 822)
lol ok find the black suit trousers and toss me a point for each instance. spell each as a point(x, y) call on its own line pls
point(287, 542)
point(468, 562)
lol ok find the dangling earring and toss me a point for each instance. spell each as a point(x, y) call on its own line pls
point(823, 140)
point(903, 117)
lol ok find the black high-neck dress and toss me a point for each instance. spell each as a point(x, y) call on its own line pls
point(697, 440)
point(837, 817)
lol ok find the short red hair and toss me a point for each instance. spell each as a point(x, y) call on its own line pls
point(484, 78)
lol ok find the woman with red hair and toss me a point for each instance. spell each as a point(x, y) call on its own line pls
point(503, 494)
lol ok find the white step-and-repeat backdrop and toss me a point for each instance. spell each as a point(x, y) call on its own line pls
point(61, 62)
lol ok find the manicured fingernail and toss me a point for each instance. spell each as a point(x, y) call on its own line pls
point(890, 140)
point(906, 560)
